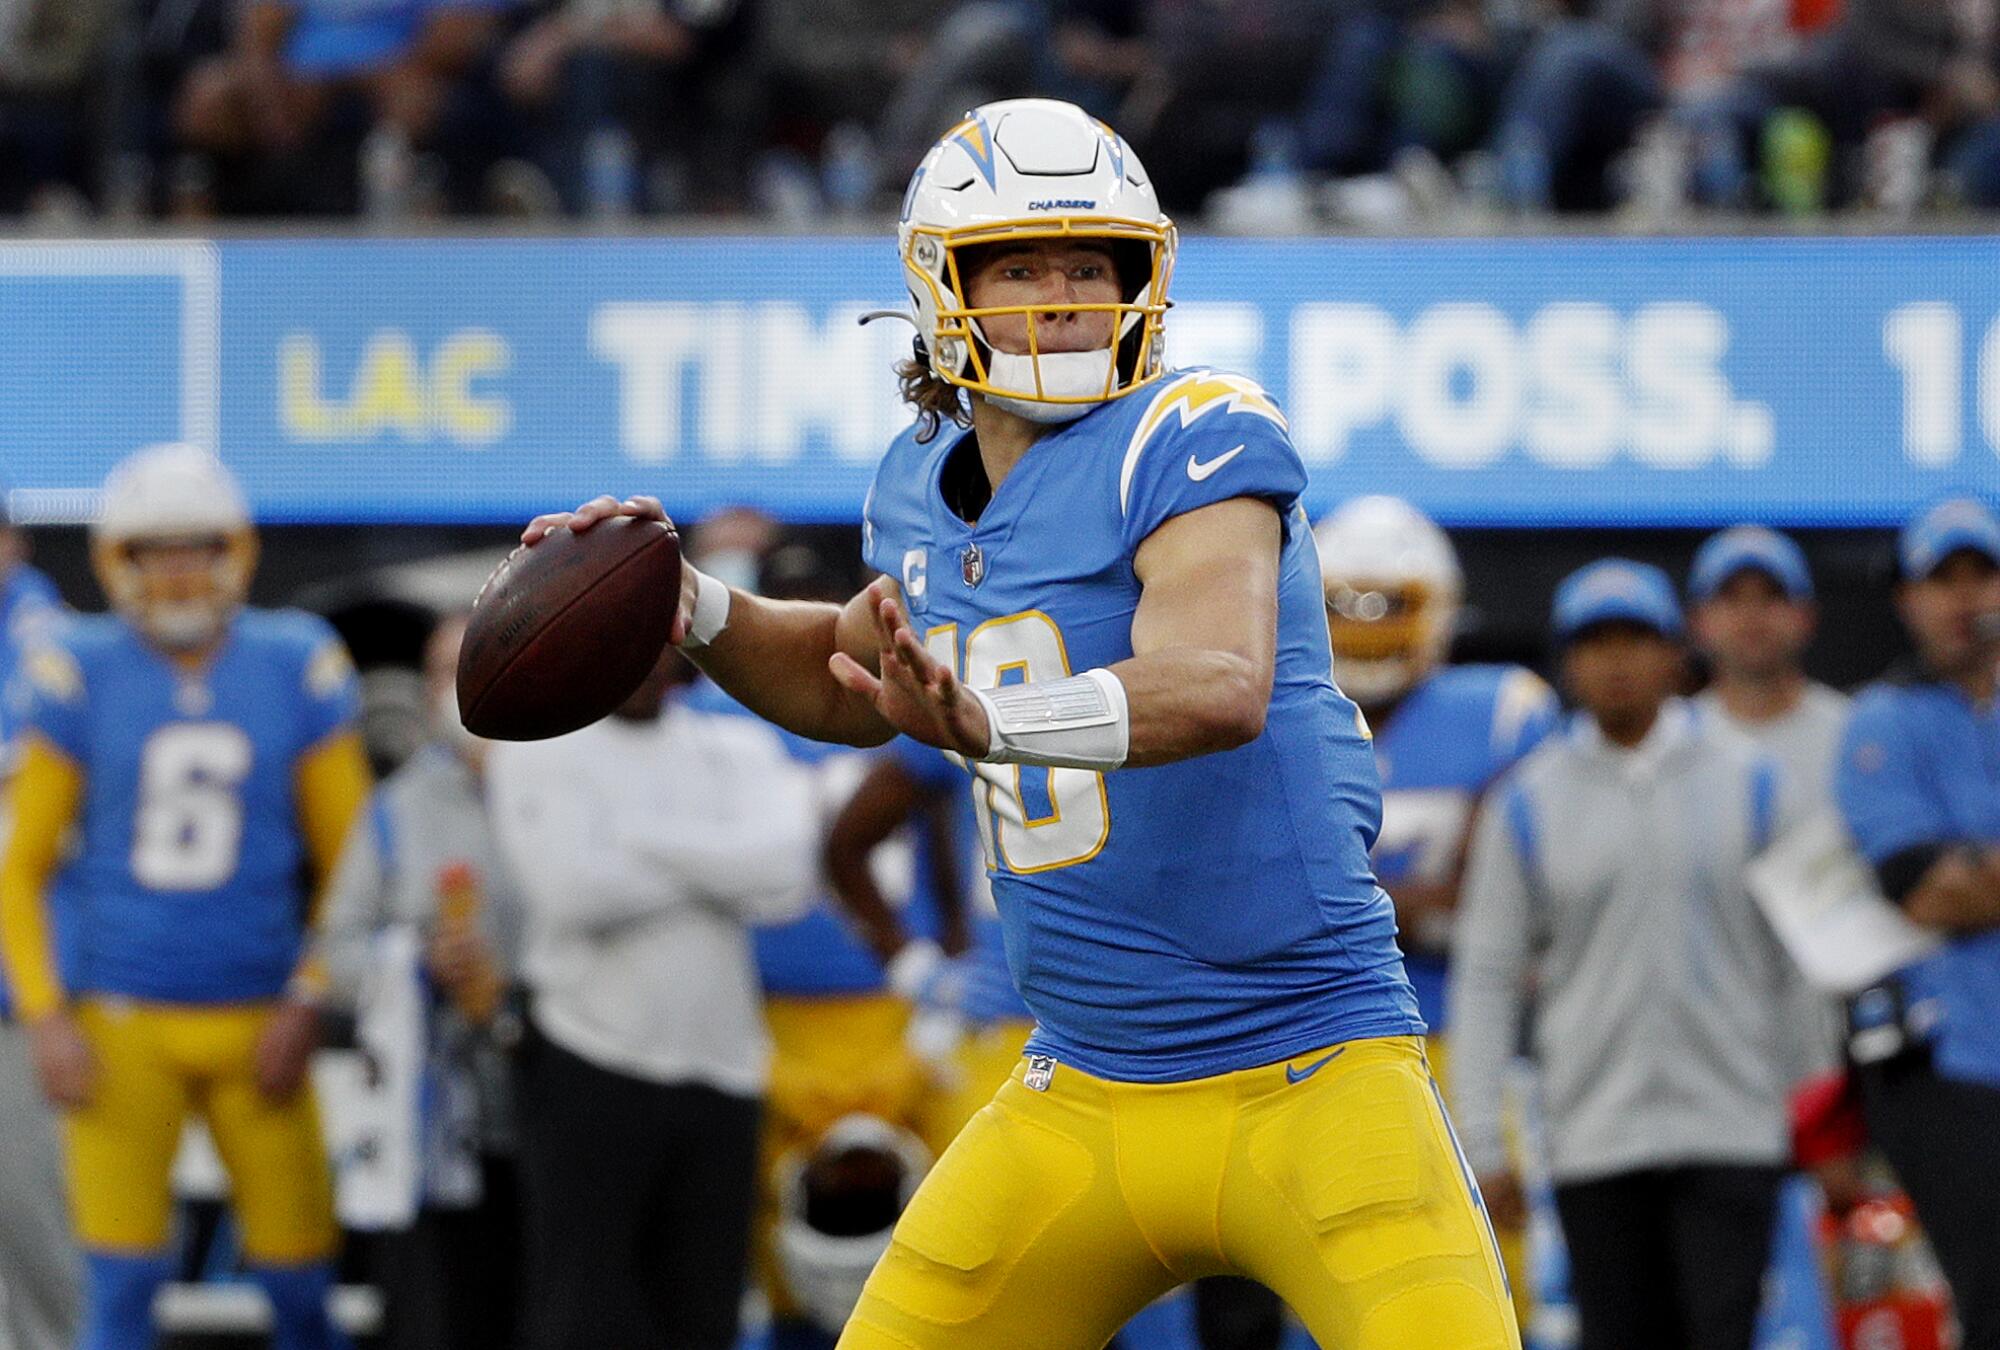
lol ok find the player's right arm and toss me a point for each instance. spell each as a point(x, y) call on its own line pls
point(772, 656)
point(44, 798)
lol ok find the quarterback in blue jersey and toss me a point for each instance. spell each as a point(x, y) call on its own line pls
point(1102, 594)
point(203, 758)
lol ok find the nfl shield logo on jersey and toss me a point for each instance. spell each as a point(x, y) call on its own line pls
point(1041, 1068)
point(972, 565)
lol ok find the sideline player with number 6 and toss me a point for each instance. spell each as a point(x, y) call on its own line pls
point(1102, 594)
point(204, 755)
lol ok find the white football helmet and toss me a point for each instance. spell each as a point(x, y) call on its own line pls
point(823, 1257)
point(174, 494)
point(1027, 169)
point(1393, 587)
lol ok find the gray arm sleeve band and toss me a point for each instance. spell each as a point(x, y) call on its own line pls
point(1081, 722)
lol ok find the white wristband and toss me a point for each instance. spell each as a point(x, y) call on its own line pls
point(1082, 722)
point(711, 611)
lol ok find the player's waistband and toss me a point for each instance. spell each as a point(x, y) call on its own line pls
point(1048, 1073)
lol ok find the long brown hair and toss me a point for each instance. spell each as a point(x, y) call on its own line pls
point(934, 398)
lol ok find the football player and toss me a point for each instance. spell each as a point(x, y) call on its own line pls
point(203, 755)
point(1101, 593)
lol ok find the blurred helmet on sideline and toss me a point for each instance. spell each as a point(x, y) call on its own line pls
point(837, 1206)
point(1393, 587)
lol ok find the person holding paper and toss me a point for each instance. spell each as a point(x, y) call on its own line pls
point(1919, 788)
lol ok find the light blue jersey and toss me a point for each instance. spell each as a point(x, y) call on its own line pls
point(187, 884)
point(1453, 734)
point(1190, 919)
point(990, 995)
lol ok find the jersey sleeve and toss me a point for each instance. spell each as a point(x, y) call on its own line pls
point(327, 680)
point(1879, 782)
point(49, 698)
point(1525, 711)
point(926, 764)
point(893, 506)
point(1203, 439)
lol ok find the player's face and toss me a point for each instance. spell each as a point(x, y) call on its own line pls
point(1947, 610)
point(1619, 672)
point(1751, 629)
point(1045, 272)
point(184, 591)
point(1382, 630)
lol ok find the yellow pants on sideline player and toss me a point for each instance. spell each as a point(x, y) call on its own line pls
point(830, 1057)
point(1061, 1212)
point(156, 1064)
point(985, 1060)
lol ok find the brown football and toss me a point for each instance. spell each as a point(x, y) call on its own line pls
point(563, 632)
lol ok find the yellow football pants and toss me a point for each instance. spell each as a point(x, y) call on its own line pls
point(155, 1064)
point(1333, 1179)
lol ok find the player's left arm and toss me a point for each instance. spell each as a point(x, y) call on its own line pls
point(331, 782)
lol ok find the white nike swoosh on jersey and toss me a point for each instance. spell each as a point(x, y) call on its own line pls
point(1199, 471)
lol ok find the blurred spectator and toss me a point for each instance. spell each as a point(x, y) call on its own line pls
point(1607, 874)
point(1402, 75)
point(1583, 90)
point(1206, 79)
point(41, 1272)
point(982, 51)
point(422, 861)
point(323, 105)
point(645, 845)
point(620, 94)
point(49, 55)
point(1919, 786)
point(828, 64)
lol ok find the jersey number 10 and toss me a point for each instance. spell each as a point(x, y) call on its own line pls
point(189, 828)
point(1030, 819)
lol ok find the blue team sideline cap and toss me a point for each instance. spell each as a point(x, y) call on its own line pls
point(1946, 528)
point(1616, 588)
point(1749, 548)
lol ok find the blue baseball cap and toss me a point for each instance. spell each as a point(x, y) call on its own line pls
point(1945, 529)
point(1749, 548)
point(1616, 588)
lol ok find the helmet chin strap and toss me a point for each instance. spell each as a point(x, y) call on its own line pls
point(1063, 375)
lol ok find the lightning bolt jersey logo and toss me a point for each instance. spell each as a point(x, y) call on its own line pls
point(1194, 396)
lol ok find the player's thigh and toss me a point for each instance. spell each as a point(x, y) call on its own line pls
point(119, 1148)
point(280, 1179)
point(1018, 1237)
point(1356, 1207)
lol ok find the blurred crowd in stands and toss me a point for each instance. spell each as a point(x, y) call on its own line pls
point(1255, 115)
